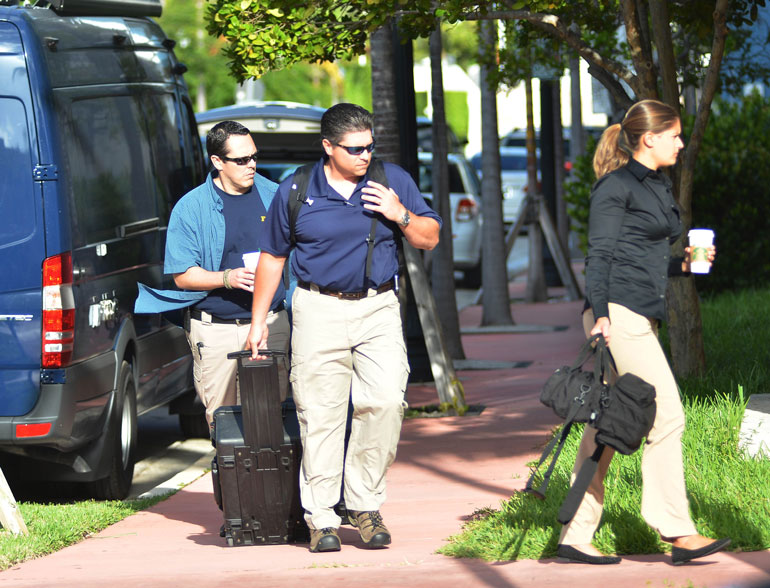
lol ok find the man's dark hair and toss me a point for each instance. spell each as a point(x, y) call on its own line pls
point(220, 133)
point(344, 118)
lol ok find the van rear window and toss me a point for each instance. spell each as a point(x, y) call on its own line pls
point(108, 149)
point(17, 207)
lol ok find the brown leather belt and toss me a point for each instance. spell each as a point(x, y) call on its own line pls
point(345, 295)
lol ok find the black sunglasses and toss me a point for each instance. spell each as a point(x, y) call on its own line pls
point(358, 150)
point(240, 160)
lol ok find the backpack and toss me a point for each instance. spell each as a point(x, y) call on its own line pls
point(298, 196)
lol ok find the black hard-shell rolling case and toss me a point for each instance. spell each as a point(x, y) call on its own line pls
point(256, 468)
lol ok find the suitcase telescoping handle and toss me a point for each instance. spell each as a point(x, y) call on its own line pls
point(245, 353)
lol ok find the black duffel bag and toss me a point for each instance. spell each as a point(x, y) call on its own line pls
point(626, 415)
point(622, 413)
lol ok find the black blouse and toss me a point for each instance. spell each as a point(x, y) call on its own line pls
point(633, 221)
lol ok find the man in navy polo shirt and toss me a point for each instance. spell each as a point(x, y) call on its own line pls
point(347, 340)
point(210, 229)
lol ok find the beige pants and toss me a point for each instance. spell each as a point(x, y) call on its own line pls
point(635, 347)
point(343, 349)
point(213, 374)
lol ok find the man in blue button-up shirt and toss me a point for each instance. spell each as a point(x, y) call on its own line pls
point(209, 231)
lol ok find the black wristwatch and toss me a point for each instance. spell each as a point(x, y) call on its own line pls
point(404, 222)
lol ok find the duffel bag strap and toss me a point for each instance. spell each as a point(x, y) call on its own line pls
point(560, 439)
point(604, 362)
point(587, 350)
point(582, 481)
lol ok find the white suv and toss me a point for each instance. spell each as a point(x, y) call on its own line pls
point(465, 201)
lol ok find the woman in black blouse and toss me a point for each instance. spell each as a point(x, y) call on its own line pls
point(633, 220)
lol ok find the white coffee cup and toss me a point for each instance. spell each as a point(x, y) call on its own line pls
point(250, 260)
point(700, 241)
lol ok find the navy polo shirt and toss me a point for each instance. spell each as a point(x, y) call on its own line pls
point(244, 221)
point(331, 231)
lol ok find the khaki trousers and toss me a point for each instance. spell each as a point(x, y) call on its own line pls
point(343, 349)
point(214, 375)
point(635, 347)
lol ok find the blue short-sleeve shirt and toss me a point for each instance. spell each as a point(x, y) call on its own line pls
point(331, 232)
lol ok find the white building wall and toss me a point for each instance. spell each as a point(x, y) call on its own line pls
point(511, 104)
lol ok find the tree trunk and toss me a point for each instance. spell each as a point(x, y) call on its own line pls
point(684, 318)
point(661, 33)
point(383, 84)
point(442, 273)
point(562, 219)
point(536, 290)
point(637, 35)
point(577, 143)
point(494, 275)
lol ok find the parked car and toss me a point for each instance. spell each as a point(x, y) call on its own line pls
point(287, 134)
point(425, 137)
point(97, 142)
point(513, 176)
point(518, 138)
point(465, 202)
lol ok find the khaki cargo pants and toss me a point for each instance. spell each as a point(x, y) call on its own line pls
point(343, 349)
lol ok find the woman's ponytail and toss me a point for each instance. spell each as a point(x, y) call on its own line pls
point(609, 154)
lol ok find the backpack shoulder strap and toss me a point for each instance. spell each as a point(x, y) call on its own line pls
point(377, 172)
point(297, 197)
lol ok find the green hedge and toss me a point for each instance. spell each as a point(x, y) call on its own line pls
point(731, 193)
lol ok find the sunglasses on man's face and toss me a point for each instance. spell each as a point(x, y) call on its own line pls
point(357, 150)
point(240, 160)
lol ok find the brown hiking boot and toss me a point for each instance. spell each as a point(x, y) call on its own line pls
point(325, 539)
point(373, 531)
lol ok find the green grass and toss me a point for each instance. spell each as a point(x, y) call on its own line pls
point(55, 526)
point(728, 493)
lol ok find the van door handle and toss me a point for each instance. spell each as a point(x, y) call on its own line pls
point(137, 227)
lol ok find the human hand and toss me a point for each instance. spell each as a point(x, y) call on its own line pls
point(602, 326)
point(257, 338)
point(712, 253)
point(242, 278)
point(383, 200)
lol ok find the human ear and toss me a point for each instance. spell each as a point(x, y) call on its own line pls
point(326, 144)
point(648, 140)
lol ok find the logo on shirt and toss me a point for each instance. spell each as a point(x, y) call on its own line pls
point(263, 218)
point(310, 201)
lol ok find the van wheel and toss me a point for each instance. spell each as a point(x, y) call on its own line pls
point(194, 425)
point(121, 441)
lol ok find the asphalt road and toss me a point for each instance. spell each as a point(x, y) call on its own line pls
point(163, 453)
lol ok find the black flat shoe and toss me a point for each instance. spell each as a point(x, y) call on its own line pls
point(680, 555)
point(573, 555)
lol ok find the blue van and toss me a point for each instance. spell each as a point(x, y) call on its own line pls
point(97, 142)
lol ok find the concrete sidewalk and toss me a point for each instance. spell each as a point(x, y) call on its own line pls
point(446, 469)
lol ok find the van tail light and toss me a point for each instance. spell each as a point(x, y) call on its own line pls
point(58, 311)
point(466, 209)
